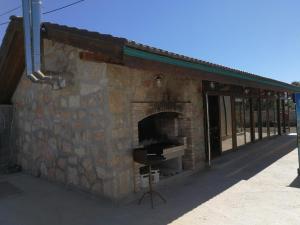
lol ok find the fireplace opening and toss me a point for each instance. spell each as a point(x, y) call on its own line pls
point(164, 132)
point(159, 128)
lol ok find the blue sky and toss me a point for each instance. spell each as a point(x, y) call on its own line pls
point(257, 36)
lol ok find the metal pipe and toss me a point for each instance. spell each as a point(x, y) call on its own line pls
point(32, 40)
point(297, 107)
point(36, 34)
point(33, 78)
point(27, 40)
point(36, 39)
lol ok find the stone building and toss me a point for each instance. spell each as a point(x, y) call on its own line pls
point(119, 95)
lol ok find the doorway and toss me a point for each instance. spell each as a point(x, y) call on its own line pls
point(214, 125)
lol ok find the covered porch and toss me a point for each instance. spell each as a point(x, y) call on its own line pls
point(239, 115)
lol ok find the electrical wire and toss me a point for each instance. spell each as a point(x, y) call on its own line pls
point(47, 12)
point(11, 10)
point(63, 7)
point(1, 24)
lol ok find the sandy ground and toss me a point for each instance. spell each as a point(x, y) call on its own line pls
point(256, 185)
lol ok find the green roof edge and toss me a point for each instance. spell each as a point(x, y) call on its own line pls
point(204, 67)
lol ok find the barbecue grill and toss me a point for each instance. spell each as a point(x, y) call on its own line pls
point(149, 156)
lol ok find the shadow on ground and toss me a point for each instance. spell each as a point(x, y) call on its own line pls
point(295, 183)
point(226, 172)
point(68, 207)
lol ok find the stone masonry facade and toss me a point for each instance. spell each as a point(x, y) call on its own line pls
point(83, 134)
point(61, 134)
point(133, 96)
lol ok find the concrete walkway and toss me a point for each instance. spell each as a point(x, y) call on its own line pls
point(255, 185)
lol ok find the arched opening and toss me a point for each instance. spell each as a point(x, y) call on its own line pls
point(164, 133)
point(161, 128)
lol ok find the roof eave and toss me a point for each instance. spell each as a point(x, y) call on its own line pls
point(206, 67)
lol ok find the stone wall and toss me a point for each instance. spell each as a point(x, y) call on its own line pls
point(83, 135)
point(134, 95)
point(63, 135)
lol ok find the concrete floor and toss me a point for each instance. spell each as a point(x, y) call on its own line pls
point(256, 185)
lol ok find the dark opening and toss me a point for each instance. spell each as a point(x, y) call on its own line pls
point(214, 122)
point(159, 134)
point(158, 128)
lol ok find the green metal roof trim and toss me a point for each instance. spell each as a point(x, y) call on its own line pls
point(205, 67)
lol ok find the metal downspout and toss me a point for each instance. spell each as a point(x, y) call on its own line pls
point(36, 40)
point(32, 41)
point(27, 41)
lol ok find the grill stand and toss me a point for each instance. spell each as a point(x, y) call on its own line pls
point(151, 192)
